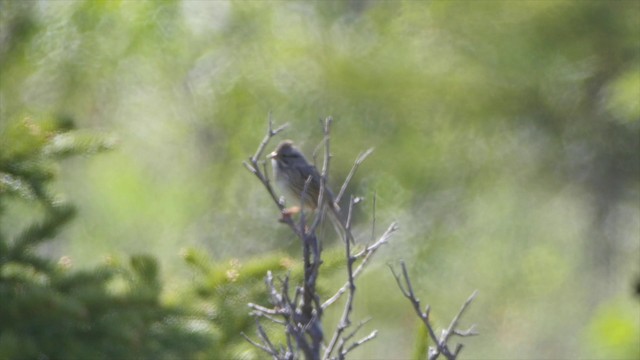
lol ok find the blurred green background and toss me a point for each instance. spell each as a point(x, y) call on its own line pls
point(507, 137)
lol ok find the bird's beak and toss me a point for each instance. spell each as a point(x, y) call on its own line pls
point(272, 155)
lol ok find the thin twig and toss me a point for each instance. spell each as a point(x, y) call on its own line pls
point(327, 151)
point(407, 291)
point(291, 351)
point(373, 220)
point(264, 337)
point(314, 155)
point(361, 157)
point(368, 253)
point(262, 309)
point(341, 351)
point(441, 346)
point(471, 331)
point(254, 162)
point(360, 325)
point(345, 321)
point(451, 330)
point(369, 337)
point(303, 217)
point(270, 133)
point(352, 202)
point(260, 346)
point(323, 175)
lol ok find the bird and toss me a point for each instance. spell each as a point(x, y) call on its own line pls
point(291, 171)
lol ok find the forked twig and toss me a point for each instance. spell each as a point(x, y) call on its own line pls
point(441, 346)
point(369, 337)
point(253, 165)
point(366, 255)
point(342, 352)
point(271, 132)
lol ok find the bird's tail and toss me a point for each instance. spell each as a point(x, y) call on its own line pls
point(338, 225)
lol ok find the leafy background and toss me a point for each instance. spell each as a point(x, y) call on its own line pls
point(507, 140)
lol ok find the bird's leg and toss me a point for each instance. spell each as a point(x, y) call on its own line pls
point(289, 212)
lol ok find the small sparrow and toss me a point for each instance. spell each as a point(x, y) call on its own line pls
point(291, 170)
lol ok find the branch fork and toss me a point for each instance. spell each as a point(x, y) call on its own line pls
point(441, 346)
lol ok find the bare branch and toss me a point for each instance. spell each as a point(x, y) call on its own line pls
point(303, 217)
point(373, 220)
point(320, 211)
point(345, 321)
point(327, 151)
point(404, 283)
point(270, 133)
point(369, 337)
point(290, 344)
point(262, 309)
point(341, 350)
point(249, 167)
point(265, 338)
point(361, 157)
point(325, 170)
point(367, 254)
point(407, 291)
point(360, 325)
point(260, 346)
point(254, 162)
point(451, 330)
point(352, 202)
point(314, 155)
point(471, 331)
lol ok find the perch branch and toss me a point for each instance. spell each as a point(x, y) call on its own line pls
point(345, 321)
point(253, 165)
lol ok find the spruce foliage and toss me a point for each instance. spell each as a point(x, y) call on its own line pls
point(49, 310)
